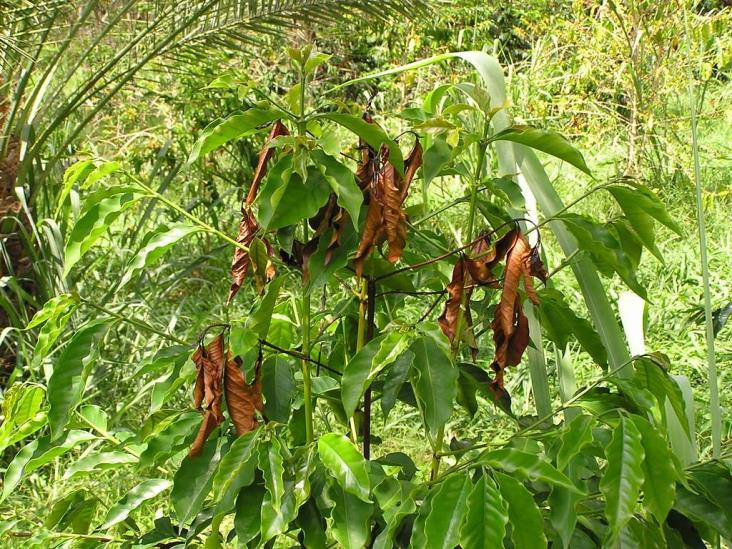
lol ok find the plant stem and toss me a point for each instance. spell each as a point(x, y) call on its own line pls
point(715, 409)
point(370, 325)
point(306, 382)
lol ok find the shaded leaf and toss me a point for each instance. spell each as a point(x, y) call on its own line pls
point(527, 524)
point(434, 379)
point(144, 491)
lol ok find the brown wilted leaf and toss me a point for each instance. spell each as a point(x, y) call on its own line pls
point(385, 219)
point(210, 361)
point(449, 318)
point(248, 226)
point(366, 169)
point(486, 257)
point(243, 400)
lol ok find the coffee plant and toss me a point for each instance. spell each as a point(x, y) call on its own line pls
point(350, 301)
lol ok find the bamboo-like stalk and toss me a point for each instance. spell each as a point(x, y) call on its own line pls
point(715, 410)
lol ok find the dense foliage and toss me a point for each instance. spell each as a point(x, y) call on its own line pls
point(339, 331)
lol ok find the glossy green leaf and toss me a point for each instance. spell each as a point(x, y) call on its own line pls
point(92, 224)
point(38, 453)
point(156, 247)
point(170, 439)
point(372, 134)
point(284, 201)
point(653, 377)
point(527, 524)
point(248, 509)
point(278, 387)
point(525, 465)
point(486, 517)
point(22, 414)
point(546, 141)
point(623, 476)
point(346, 464)
point(313, 526)
point(434, 159)
point(394, 517)
point(365, 365)
point(68, 381)
point(237, 126)
point(193, 480)
point(342, 181)
point(576, 435)
point(701, 509)
point(74, 174)
point(278, 503)
point(447, 510)
point(51, 309)
point(659, 473)
point(260, 320)
point(144, 491)
point(242, 340)
point(351, 518)
point(235, 471)
point(560, 323)
point(49, 334)
point(394, 380)
point(101, 461)
point(563, 512)
point(434, 379)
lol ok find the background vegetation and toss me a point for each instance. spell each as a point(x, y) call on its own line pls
point(130, 83)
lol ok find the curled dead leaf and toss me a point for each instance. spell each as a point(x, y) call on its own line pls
point(210, 366)
point(243, 400)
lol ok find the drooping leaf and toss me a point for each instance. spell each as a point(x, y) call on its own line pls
point(51, 309)
point(100, 461)
point(193, 480)
point(248, 508)
point(260, 320)
point(68, 381)
point(342, 182)
point(486, 517)
point(210, 364)
point(546, 141)
point(278, 503)
point(575, 436)
point(650, 375)
point(156, 247)
point(144, 491)
point(351, 517)
point(235, 471)
point(434, 379)
point(38, 453)
point(659, 473)
point(93, 223)
point(278, 386)
point(435, 158)
point(346, 464)
point(243, 400)
point(701, 509)
point(74, 174)
point(623, 476)
point(313, 525)
point(447, 511)
point(394, 381)
point(527, 525)
point(289, 200)
point(526, 465)
point(237, 126)
point(170, 439)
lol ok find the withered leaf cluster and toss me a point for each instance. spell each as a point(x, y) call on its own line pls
point(385, 190)
point(248, 226)
point(510, 325)
point(219, 377)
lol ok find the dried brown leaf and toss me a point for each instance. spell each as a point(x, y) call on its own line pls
point(243, 400)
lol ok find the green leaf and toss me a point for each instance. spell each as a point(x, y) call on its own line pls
point(623, 476)
point(193, 480)
point(101, 461)
point(313, 526)
point(22, 414)
point(435, 158)
point(649, 375)
point(95, 417)
point(314, 61)
point(92, 224)
point(74, 174)
point(351, 518)
point(237, 126)
point(700, 509)
point(527, 524)
point(235, 471)
point(68, 381)
point(372, 134)
point(365, 365)
point(546, 141)
point(248, 508)
point(342, 181)
point(576, 435)
point(38, 453)
point(447, 510)
point(434, 379)
point(170, 439)
point(560, 323)
point(603, 247)
point(527, 466)
point(660, 475)
point(286, 199)
point(346, 464)
point(394, 380)
point(394, 516)
point(51, 309)
point(49, 334)
point(260, 320)
point(144, 491)
point(562, 511)
point(242, 340)
point(486, 517)
point(278, 503)
point(278, 387)
point(155, 248)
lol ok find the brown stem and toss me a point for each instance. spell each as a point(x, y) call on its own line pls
point(370, 324)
